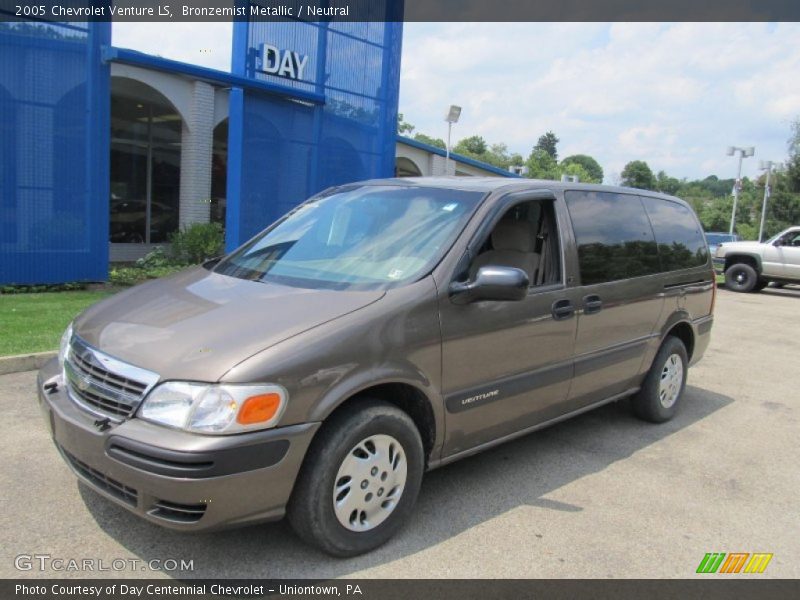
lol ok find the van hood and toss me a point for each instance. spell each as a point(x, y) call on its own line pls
point(197, 325)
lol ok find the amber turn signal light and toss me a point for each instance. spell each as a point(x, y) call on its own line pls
point(258, 409)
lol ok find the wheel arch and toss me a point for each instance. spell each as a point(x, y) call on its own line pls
point(406, 396)
point(684, 331)
point(679, 325)
point(754, 260)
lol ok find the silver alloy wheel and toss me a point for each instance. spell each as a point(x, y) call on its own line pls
point(370, 482)
point(669, 388)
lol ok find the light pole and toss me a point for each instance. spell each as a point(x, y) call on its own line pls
point(743, 153)
point(765, 165)
point(452, 117)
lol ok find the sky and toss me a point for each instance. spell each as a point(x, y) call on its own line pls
point(672, 94)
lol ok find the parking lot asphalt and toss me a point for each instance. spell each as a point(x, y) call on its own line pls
point(602, 495)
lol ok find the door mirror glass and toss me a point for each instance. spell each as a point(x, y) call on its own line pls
point(492, 283)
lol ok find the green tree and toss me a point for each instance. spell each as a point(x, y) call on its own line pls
point(577, 170)
point(637, 174)
point(593, 170)
point(715, 215)
point(499, 156)
point(793, 172)
point(431, 141)
point(474, 146)
point(793, 163)
point(667, 184)
point(404, 127)
point(549, 143)
point(541, 165)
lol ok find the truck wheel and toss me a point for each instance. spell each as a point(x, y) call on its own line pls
point(660, 396)
point(741, 277)
point(360, 480)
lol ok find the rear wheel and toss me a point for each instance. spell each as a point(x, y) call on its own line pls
point(660, 396)
point(360, 481)
point(741, 277)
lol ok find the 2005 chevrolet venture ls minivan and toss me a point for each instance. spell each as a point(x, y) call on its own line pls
point(378, 330)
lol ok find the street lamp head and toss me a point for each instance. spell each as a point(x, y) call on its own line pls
point(730, 150)
point(453, 114)
point(750, 151)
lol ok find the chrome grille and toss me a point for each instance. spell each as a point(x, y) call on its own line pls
point(104, 385)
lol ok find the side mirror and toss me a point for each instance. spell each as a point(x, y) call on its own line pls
point(492, 283)
point(778, 242)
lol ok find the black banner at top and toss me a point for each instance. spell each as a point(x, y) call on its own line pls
point(405, 10)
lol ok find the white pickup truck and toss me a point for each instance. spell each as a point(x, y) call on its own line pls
point(751, 266)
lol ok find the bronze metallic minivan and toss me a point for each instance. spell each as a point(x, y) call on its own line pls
point(378, 330)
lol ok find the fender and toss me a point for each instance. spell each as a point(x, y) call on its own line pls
point(754, 255)
point(658, 337)
point(388, 373)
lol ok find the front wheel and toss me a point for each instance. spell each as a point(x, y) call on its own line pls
point(741, 277)
point(360, 480)
point(660, 396)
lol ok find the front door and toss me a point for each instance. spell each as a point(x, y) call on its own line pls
point(787, 256)
point(507, 365)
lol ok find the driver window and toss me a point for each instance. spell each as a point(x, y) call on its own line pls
point(526, 238)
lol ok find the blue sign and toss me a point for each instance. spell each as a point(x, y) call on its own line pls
point(334, 123)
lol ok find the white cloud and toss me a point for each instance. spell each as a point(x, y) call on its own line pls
point(204, 44)
point(674, 95)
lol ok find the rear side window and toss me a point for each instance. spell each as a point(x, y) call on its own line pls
point(615, 240)
point(681, 244)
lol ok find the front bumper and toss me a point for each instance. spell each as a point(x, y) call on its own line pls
point(173, 478)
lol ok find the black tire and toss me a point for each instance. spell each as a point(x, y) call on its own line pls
point(311, 508)
point(741, 277)
point(648, 404)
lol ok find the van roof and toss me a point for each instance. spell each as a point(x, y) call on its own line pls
point(491, 184)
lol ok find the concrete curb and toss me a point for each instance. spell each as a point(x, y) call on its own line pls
point(24, 362)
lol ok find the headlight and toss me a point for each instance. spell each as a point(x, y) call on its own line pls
point(64, 346)
point(214, 408)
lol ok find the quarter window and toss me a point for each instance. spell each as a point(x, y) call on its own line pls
point(681, 244)
point(614, 237)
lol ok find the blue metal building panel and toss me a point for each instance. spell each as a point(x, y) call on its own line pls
point(283, 149)
point(54, 174)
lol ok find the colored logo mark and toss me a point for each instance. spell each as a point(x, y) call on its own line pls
point(734, 562)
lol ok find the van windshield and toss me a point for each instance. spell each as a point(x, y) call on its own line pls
point(366, 237)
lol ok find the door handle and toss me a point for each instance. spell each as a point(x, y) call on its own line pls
point(562, 309)
point(592, 304)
